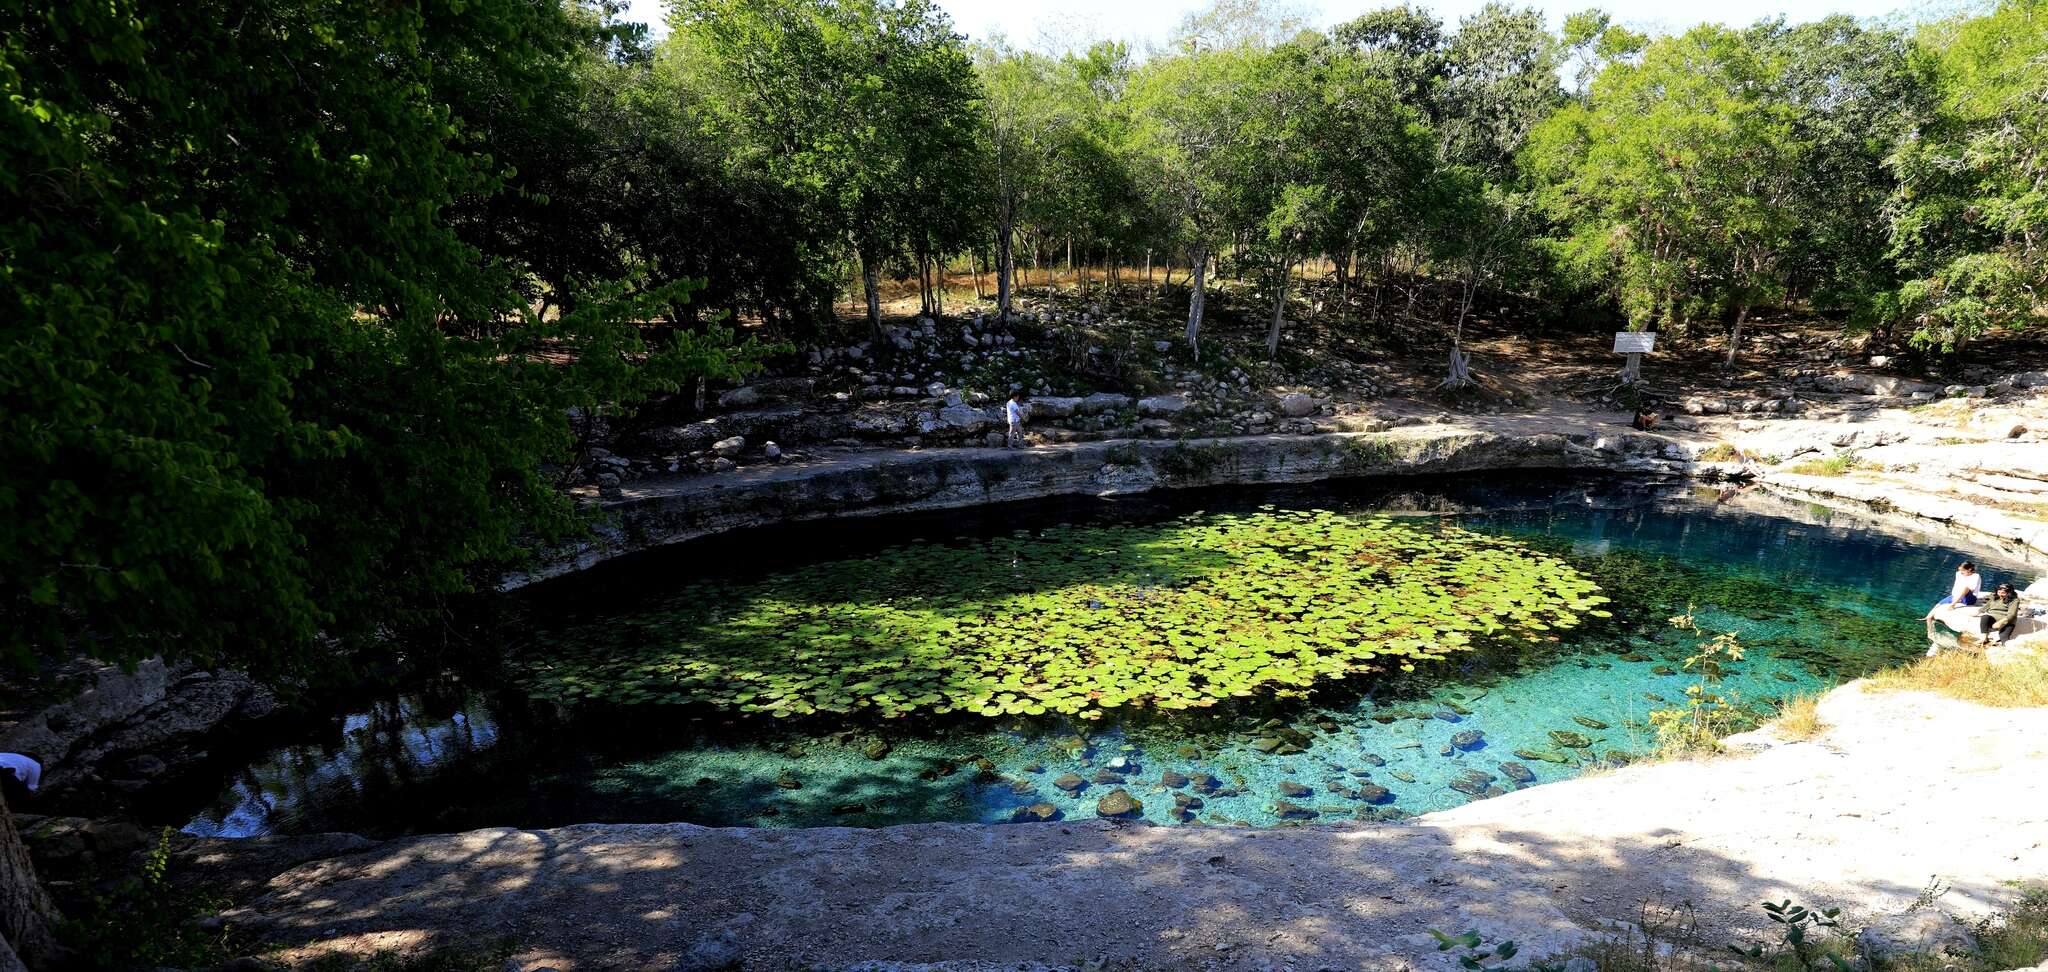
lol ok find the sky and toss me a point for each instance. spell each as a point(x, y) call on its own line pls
point(1056, 24)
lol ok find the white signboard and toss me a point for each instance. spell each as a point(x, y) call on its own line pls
point(1634, 342)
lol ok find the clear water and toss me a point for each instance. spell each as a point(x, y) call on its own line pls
point(1816, 602)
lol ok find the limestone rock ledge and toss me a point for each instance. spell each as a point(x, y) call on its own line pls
point(654, 513)
point(1899, 787)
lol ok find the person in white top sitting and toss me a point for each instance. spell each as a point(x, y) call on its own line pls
point(1014, 410)
point(1963, 593)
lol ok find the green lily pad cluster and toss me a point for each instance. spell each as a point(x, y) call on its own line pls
point(1076, 620)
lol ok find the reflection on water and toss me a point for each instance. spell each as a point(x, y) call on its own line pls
point(1816, 603)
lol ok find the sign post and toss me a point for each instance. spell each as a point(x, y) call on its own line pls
point(1633, 344)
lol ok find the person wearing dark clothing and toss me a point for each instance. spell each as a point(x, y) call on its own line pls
point(2001, 614)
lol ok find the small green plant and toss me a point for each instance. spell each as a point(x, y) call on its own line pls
point(1801, 939)
point(1191, 460)
point(143, 921)
point(1473, 952)
point(1720, 452)
point(1370, 453)
point(1698, 725)
point(1839, 464)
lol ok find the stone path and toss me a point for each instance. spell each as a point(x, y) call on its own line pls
point(1902, 788)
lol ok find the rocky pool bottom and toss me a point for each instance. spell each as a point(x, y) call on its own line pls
point(1814, 605)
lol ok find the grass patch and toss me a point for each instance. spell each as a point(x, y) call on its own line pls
point(1839, 464)
point(1720, 452)
point(1799, 718)
point(1969, 677)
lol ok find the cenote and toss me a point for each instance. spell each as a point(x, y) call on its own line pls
point(1355, 650)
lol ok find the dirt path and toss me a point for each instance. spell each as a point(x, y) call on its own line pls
point(1902, 788)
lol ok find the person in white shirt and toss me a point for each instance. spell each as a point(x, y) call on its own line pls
point(1014, 410)
point(1964, 591)
point(25, 771)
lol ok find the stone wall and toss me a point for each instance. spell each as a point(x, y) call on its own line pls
point(650, 515)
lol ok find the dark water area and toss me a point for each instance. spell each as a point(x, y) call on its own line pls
point(1816, 602)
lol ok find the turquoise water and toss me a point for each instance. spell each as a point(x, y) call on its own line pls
point(1815, 603)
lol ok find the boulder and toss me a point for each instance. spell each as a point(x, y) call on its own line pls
point(1119, 803)
point(1924, 931)
point(1054, 407)
point(730, 447)
point(1070, 783)
point(1162, 405)
point(1035, 813)
point(961, 418)
point(1289, 788)
point(1297, 405)
point(745, 396)
point(1102, 402)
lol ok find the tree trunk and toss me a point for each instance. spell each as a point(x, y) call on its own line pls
point(1148, 268)
point(871, 282)
point(1461, 362)
point(1071, 271)
point(1279, 311)
point(26, 911)
point(1195, 296)
point(974, 266)
point(1735, 338)
point(1006, 270)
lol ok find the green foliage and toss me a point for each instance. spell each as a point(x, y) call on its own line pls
point(1699, 724)
point(259, 386)
point(143, 921)
point(1472, 951)
point(1802, 944)
point(869, 109)
point(1193, 460)
point(1839, 464)
point(1969, 213)
point(1077, 620)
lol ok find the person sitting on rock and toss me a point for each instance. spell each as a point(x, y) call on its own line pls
point(1963, 593)
point(2001, 615)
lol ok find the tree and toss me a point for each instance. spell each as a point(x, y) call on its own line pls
point(268, 406)
point(1675, 180)
point(1500, 82)
point(866, 106)
point(1190, 114)
point(1969, 217)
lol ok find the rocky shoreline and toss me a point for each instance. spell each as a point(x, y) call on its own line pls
point(1946, 788)
point(1904, 467)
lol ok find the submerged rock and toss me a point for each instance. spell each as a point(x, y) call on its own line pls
point(1518, 773)
point(1373, 793)
point(1372, 760)
point(1589, 722)
point(1035, 813)
point(1118, 803)
point(876, 749)
point(1109, 777)
point(1293, 789)
point(1402, 776)
point(1172, 780)
point(1070, 783)
point(1663, 670)
point(1204, 783)
point(1292, 811)
point(1469, 739)
point(1543, 755)
point(1569, 739)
